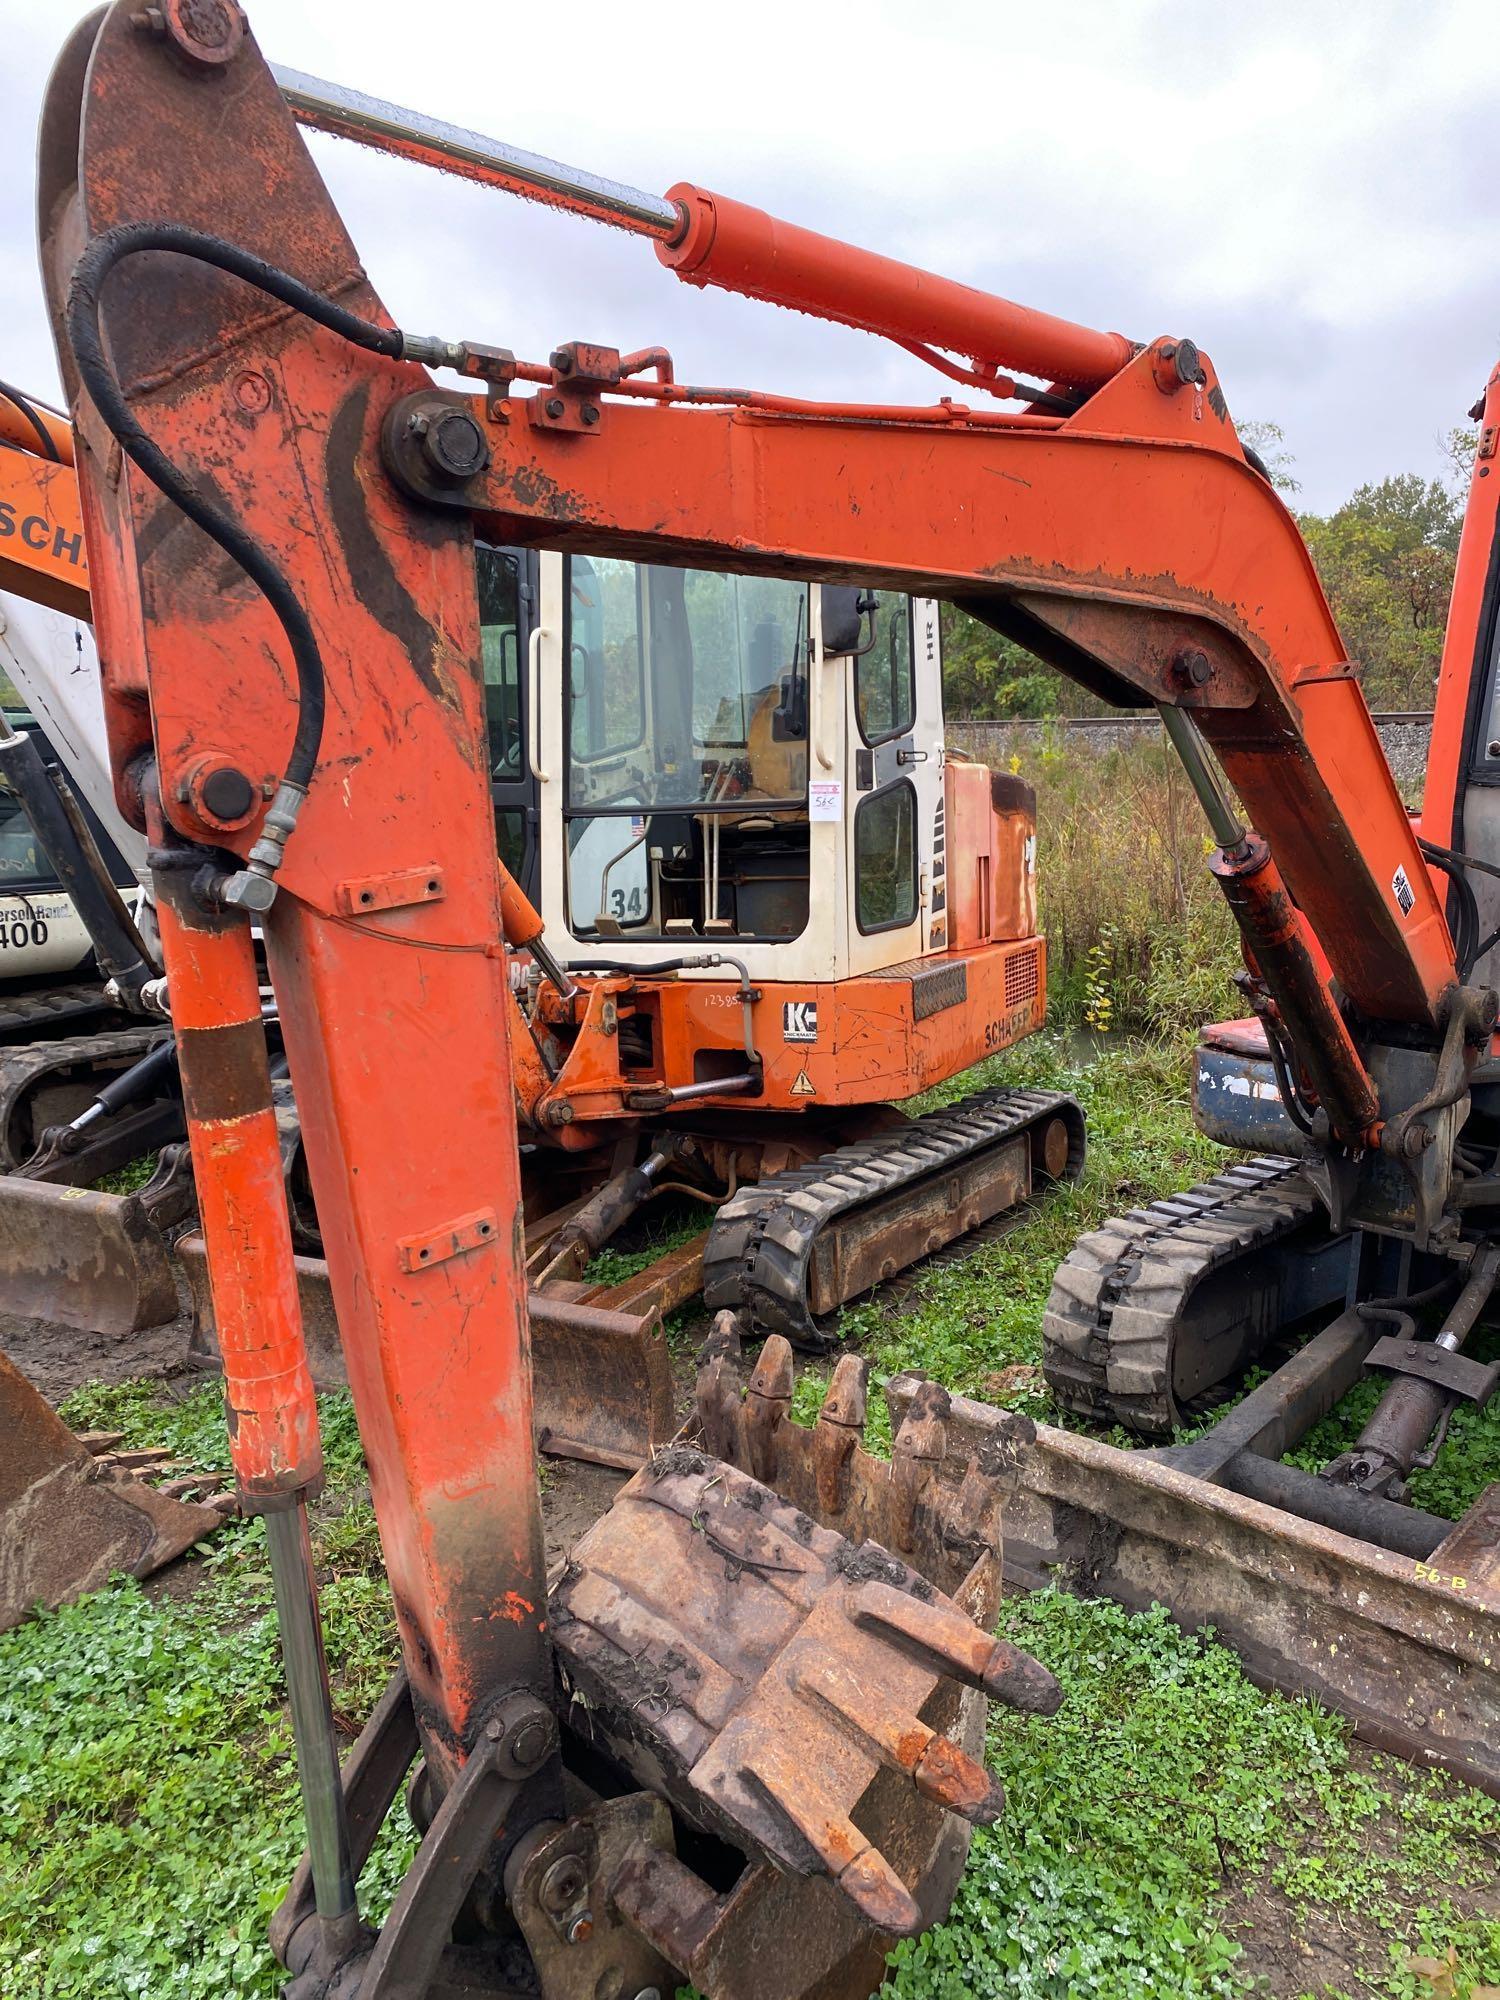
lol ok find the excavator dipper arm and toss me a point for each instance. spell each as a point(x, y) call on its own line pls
point(384, 949)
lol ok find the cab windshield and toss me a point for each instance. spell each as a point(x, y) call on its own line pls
point(684, 688)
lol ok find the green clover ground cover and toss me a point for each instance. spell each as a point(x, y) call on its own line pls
point(1171, 1832)
point(148, 1806)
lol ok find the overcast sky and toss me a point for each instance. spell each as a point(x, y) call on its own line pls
point(1307, 189)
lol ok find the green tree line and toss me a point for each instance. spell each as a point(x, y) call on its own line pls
point(1386, 559)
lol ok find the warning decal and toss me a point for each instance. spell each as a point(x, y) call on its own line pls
point(1401, 889)
point(803, 1087)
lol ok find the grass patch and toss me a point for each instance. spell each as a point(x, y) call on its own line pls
point(149, 1817)
point(663, 1227)
point(130, 1178)
point(1169, 1806)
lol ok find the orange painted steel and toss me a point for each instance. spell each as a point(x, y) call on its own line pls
point(742, 249)
point(18, 427)
point(1269, 922)
point(945, 412)
point(874, 1044)
point(1463, 673)
point(520, 921)
point(1132, 533)
point(226, 1086)
point(42, 554)
point(395, 1025)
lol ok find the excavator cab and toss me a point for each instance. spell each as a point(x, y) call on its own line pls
point(709, 767)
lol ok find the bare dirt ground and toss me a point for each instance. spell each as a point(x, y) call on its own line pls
point(59, 1359)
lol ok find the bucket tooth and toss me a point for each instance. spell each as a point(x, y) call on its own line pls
point(936, 1501)
point(844, 1854)
point(768, 1406)
point(718, 1392)
point(837, 1433)
point(940, 1633)
point(917, 1453)
point(951, 1778)
point(939, 1769)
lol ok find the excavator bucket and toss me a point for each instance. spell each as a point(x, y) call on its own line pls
point(792, 1639)
point(83, 1258)
point(785, 1643)
point(71, 1517)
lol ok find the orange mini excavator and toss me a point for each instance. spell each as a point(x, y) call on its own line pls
point(774, 905)
point(731, 1737)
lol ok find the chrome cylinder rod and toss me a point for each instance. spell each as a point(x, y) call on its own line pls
point(542, 953)
point(411, 135)
point(312, 1713)
point(1203, 778)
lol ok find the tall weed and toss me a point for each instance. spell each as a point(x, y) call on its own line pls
point(1138, 935)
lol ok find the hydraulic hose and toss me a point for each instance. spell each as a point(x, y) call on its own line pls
point(90, 274)
point(46, 444)
point(694, 962)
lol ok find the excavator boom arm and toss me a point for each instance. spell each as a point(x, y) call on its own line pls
point(41, 526)
point(1132, 569)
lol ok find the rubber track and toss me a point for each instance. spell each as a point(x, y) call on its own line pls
point(22, 1068)
point(1120, 1294)
point(33, 1014)
point(761, 1243)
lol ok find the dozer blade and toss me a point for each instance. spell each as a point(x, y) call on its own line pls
point(789, 1639)
point(82, 1258)
point(601, 1379)
point(69, 1520)
point(1408, 1649)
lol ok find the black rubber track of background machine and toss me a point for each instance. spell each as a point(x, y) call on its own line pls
point(25, 1017)
point(1121, 1294)
point(29, 1064)
point(760, 1246)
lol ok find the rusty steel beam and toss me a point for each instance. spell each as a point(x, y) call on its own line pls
point(1407, 1647)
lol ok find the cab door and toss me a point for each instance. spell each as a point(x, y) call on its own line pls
point(895, 834)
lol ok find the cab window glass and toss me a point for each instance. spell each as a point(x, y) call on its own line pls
point(884, 686)
point(885, 859)
point(500, 649)
point(22, 864)
point(606, 694)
